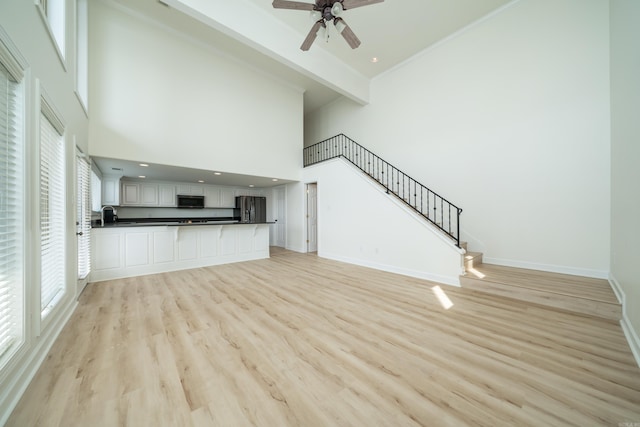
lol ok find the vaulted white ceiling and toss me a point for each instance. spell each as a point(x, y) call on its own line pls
point(269, 39)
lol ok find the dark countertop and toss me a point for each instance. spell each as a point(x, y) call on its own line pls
point(152, 222)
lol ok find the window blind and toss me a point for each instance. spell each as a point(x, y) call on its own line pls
point(83, 216)
point(52, 211)
point(11, 215)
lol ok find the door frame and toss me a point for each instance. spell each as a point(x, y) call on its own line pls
point(308, 216)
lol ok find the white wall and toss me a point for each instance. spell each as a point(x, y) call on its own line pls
point(508, 119)
point(625, 142)
point(296, 220)
point(359, 223)
point(24, 26)
point(160, 97)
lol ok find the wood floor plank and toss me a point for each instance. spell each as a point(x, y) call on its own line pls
point(297, 340)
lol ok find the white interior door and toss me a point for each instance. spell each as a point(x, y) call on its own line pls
point(312, 217)
point(280, 217)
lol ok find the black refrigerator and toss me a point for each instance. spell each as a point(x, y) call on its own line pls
point(251, 209)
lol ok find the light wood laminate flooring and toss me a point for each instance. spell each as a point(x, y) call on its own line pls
point(297, 340)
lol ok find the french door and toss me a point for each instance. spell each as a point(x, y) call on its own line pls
point(83, 219)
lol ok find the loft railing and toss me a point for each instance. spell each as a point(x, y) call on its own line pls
point(433, 207)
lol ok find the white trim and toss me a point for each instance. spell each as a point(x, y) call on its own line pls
point(50, 111)
point(11, 57)
point(52, 37)
point(28, 367)
point(629, 332)
point(562, 269)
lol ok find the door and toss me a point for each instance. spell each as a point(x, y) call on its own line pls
point(312, 217)
point(83, 220)
point(280, 226)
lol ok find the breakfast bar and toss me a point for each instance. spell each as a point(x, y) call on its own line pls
point(135, 248)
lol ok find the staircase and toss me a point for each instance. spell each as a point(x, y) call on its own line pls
point(582, 295)
point(441, 213)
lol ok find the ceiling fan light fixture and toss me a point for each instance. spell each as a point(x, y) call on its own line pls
point(315, 15)
point(336, 9)
point(340, 25)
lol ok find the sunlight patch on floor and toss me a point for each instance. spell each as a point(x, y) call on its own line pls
point(445, 302)
point(475, 273)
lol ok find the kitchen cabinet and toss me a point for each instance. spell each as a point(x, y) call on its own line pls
point(139, 194)
point(167, 195)
point(111, 190)
point(130, 193)
point(118, 252)
point(211, 197)
point(190, 190)
point(227, 198)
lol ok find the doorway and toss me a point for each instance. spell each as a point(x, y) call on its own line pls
point(312, 217)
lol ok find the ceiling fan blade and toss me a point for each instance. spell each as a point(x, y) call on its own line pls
point(296, 5)
point(347, 33)
point(352, 4)
point(311, 37)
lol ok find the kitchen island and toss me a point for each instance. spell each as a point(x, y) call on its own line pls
point(134, 249)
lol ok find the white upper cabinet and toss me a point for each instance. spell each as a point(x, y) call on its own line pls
point(149, 194)
point(227, 198)
point(190, 190)
point(111, 190)
point(139, 194)
point(211, 197)
point(167, 195)
point(130, 193)
point(163, 194)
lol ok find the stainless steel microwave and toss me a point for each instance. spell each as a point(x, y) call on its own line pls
point(190, 202)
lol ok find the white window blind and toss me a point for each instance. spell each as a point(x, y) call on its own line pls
point(52, 210)
point(11, 202)
point(83, 215)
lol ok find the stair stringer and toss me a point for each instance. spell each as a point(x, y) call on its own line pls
point(360, 223)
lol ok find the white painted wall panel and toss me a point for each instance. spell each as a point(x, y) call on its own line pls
point(183, 104)
point(510, 121)
point(108, 246)
point(359, 223)
point(625, 104)
point(163, 246)
point(136, 249)
point(209, 243)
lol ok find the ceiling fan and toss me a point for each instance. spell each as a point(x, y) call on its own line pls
point(326, 11)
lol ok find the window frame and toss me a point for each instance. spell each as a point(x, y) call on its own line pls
point(17, 67)
point(82, 53)
point(47, 110)
point(55, 28)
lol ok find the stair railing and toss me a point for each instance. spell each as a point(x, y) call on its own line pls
point(429, 204)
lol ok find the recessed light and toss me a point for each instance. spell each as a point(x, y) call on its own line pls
point(144, 165)
point(200, 181)
point(217, 173)
point(141, 176)
point(374, 59)
point(274, 179)
point(251, 185)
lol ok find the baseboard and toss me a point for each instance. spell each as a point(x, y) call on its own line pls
point(584, 272)
point(30, 363)
point(446, 280)
point(296, 248)
point(629, 332)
